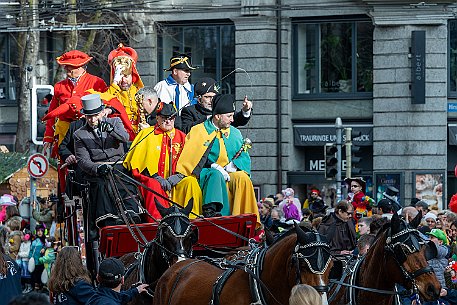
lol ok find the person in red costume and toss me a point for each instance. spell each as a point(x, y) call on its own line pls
point(68, 92)
point(357, 197)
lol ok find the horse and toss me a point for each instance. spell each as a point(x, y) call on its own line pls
point(266, 277)
point(398, 256)
point(173, 242)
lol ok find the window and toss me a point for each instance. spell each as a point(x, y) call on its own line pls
point(7, 72)
point(212, 48)
point(333, 59)
point(453, 57)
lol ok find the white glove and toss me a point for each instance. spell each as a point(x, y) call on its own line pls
point(118, 74)
point(231, 168)
point(222, 171)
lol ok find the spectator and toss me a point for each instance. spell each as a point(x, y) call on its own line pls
point(339, 229)
point(111, 277)
point(377, 223)
point(279, 197)
point(291, 206)
point(364, 243)
point(422, 206)
point(279, 225)
point(430, 220)
point(409, 213)
point(48, 254)
point(35, 251)
point(45, 215)
point(364, 225)
point(385, 208)
point(30, 299)
point(23, 256)
point(14, 237)
point(69, 282)
point(5, 200)
point(304, 295)
point(265, 213)
point(10, 278)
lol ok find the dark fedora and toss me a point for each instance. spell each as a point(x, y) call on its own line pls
point(92, 104)
point(166, 110)
point(180, 61)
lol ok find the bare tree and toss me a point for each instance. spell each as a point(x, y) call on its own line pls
point(28, 47)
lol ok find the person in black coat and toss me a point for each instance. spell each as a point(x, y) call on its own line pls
point(111, 277)
point(205, 90)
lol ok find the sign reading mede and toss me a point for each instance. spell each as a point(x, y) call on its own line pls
point(37, 165)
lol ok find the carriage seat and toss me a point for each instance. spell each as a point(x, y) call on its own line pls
point(117, 240)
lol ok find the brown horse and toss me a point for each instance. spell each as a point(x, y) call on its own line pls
point(173, 242)
point(398, 256)
point(296, 257)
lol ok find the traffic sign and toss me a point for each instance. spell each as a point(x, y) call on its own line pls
point(37, 165)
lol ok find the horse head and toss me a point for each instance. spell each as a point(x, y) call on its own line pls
point(312, 259)
point(410, 251)
point(175, 234)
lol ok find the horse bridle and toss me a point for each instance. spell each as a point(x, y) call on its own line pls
point(316, 249)
point(399, 250)
point(175, 228)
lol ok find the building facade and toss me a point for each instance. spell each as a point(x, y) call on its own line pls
point(306, 63)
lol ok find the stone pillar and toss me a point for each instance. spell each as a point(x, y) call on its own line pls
point(255, 52)
point(408, 137)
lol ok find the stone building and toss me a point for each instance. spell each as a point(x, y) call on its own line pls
point(305, 63)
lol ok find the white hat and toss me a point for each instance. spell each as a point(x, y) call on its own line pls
point(430, 215)
point(7, 200)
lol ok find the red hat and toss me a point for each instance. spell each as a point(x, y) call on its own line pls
point(74, 58)
point(453, 203)
point(315, 190)
point(123, 51)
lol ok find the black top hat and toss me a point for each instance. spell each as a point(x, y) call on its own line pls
point(166, 110)
point(223, 103)
point(180, 61)
point(111, 269)
point(205, 85)
point(92, 104)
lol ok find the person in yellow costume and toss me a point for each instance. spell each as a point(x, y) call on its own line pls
point(152, 161)
point(215, 153)
point(125, 81)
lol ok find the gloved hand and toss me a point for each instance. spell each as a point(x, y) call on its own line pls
point(118, 74)
point(106, 126)
point(166, 186)
point(222, 171)
point(231, 168)
point(103, 169)
point(175, 179)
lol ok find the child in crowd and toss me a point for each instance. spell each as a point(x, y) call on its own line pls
point(35, 252)
point(15, 237)
point(23, 256)
point(49, 254)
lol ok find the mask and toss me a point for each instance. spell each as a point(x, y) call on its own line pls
point(48, 244)
point(287, 193)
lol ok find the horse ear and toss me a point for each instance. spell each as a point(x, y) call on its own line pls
point(189, 206)
point(416, 221)
point(395, 223)
point(194, 237)
point(301, 235)
point(269, 237)
point(162, 210)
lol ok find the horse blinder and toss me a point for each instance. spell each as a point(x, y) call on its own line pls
point(431, 251)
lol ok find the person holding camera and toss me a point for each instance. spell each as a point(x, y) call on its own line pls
point(99, 144)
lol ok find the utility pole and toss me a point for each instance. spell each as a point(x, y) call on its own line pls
point(339, 145)
point(348, 132)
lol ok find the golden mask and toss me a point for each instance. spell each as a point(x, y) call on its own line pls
point(125, 62)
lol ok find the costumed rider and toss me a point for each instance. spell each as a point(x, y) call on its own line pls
point(152, 161)
point(391, 194)
point(205, 90)
point(216, 155)
point(356, 196)
point(147, 101)
point(98, 145)
point(67, 94)
point(176, 87)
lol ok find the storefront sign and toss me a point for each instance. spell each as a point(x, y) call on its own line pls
point(318, 135)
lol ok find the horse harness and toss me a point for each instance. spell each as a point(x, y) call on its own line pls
point(315, 254)
point(399, 249)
